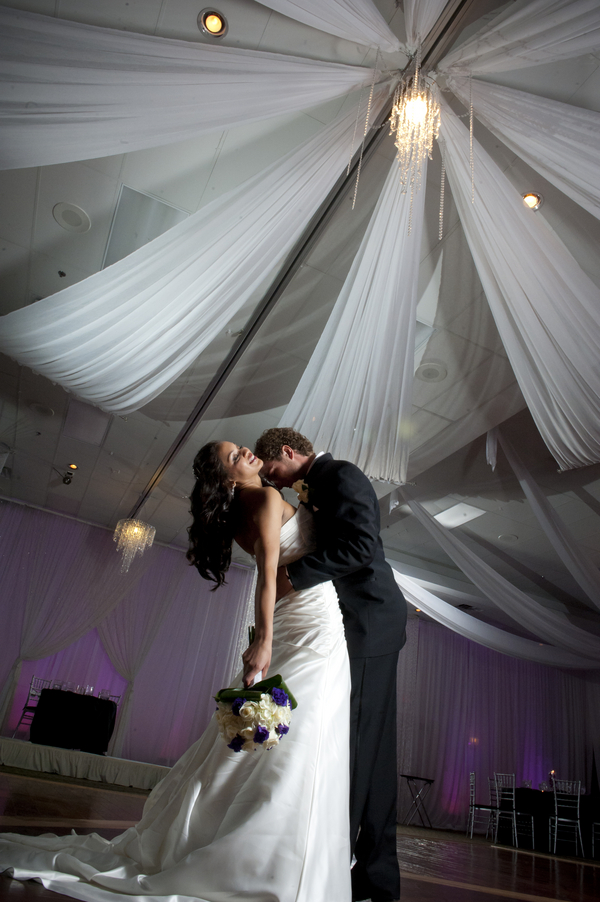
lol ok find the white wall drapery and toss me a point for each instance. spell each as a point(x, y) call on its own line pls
point(419, 18)
point(52, 606)
point(527, 34)
point(484, 712)
point(350, 400)
point(484, 633)
point(129, 631)
point(70, 91)
point(546, 307)
point(549, 625)
point(557, 139)
point(121, 336)
point(575, 559)
point(56, 572)
point(353, 20)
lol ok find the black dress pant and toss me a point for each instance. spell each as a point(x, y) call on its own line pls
point(373, 778)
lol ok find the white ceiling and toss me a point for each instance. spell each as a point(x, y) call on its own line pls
point(46, 429)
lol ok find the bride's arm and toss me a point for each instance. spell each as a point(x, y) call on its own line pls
point(266, 507)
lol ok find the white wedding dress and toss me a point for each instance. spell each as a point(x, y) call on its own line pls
point(267, 826)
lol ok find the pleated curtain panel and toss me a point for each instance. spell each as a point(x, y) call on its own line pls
point(351, 399)
point(61, 579)
point(419, 18)
point(558, 140)
point(483, 633)
point(528, 33)
point(121, 336)
point(575, 558)
point(551, 626)
point(353, 20)
point(546, 307)
point(70, 91)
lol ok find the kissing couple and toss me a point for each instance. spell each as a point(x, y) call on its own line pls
point(283, 824)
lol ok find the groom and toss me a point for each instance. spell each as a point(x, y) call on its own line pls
point(349, 552)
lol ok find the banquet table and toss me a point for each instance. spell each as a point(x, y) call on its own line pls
point(67, 720)
point(541, 806)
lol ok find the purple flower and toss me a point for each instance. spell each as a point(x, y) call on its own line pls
point(237, 704)
point(282, 729)
point(279, 697)
point(261, 734)
point(236, 743)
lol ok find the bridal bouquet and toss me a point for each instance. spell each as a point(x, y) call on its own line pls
point(255, 718)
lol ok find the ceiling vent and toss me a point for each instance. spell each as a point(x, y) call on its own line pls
point(431, 371)
point(458, 515)
point(86, 423)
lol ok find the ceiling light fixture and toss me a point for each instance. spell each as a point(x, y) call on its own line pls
point(71, 218)
point(73, 467)
point(533, 201)
point(133, 537)
point(213, 23)
point(415, 121)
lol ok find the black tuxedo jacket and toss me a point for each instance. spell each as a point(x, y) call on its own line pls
point(349, 552)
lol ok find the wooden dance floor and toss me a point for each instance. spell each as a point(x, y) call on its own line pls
point(436, 866)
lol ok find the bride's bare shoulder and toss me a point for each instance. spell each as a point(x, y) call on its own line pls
point(256, 499)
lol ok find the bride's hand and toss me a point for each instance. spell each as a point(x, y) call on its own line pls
point(256, 658)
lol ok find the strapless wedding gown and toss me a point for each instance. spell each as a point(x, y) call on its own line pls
point(268, 826)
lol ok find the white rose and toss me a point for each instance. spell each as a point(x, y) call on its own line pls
point(248, 711)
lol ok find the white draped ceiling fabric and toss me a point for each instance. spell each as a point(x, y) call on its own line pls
point(573, 556)
point(484, 633)
point(549, 625)
point(419, 18)
point(346, 401)
point(546, 307)
point(70, 91)
point(118, 338)
point(353, 20)
point(528, 34)
point(559, 140)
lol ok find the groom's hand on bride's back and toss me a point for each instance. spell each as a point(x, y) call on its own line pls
point(284, 586)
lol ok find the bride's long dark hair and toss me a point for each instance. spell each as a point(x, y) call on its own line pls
point(212, 530)
point(215, 516)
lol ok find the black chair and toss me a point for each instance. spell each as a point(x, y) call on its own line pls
point(567, 794)
point(33, 697)
point(505, 794)
point(484, 811)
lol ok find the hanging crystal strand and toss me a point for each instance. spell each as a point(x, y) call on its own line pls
point(442, 193)
point(414, 177)
point(362, 148)
point(362, 89)
point(471, 138)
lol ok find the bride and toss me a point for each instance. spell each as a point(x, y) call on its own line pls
point(264, 826)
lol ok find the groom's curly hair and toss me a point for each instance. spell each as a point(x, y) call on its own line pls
point(269, 445)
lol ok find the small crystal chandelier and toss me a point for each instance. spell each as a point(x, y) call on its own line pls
point(415, 120)
point(133, 537)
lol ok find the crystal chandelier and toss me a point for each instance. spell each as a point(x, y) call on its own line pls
point(133, 537)
point(415, 121)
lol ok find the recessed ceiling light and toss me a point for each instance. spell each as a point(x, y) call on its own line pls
point(431, 371)
point(533, 201)
point(458, 515)
point(71, 218)
point(212, 22)
point(73, 467)
point(508, 538)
